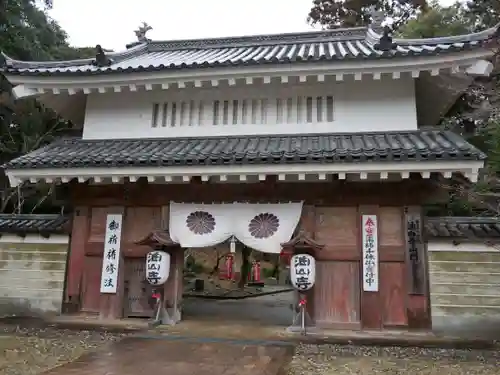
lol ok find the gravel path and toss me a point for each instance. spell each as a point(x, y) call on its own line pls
point(32, 350)
point(343, 360)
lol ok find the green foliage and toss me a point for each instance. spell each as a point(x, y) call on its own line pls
point(484, 13)
point(350, 13)
point(28, 33)
point(493, 130)
point(197, 268)
point(267, 272)
point(438, 21)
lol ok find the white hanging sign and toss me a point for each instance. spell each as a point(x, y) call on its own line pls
point(111, 255)
point(157, 267)
point(303, 271)
point(370, 253)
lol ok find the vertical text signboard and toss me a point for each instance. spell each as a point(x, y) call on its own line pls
point(370, 253)
point(111, 255)
point(415, 252)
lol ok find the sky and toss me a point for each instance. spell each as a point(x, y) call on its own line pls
point(111, 23)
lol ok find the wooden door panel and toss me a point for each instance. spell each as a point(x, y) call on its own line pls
point(336, 294)
point(393, 294)
point(138, 290)
point(91, 292)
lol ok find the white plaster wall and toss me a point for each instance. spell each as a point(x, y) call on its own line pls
point(32, 271)
point(464, 285)
point(359, 106)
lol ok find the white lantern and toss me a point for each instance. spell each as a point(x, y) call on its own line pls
point(157, 267)
point(303, 271)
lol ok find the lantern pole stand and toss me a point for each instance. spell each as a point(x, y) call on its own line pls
point(161, 314)
point(302, 320)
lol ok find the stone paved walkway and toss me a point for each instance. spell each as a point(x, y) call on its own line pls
point(163, 356)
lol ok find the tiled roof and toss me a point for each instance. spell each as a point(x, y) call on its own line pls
point(330, 45)
point(42, 224)
point(463, 227)
point(421, 145)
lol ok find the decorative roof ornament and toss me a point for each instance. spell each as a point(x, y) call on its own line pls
point(380, 26)
point(141, 32)
point(101, 60)
point(385, 42)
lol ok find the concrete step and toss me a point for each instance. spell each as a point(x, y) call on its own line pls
point(464, 300)
point(459, 256)
point(14, 283)
point(466, 288)
point(469, 311)
point(452, 266)
point(464, 277)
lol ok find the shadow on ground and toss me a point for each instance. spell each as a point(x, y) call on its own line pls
point(167, 356)
point(272, 309)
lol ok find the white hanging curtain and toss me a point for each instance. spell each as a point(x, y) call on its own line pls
point(200, 225)
point(263, 227)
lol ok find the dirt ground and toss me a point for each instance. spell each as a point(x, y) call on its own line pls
point(31, 350)
point(343, 360)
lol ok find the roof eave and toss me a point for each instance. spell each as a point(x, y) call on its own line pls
point(469, 168)
point(11, 63)
point(342, 68)
point(481, 36)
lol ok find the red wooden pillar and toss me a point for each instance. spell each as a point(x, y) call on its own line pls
point(76, 256)
point(173, 288)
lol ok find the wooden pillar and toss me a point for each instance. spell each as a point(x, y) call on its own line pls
point(174, 288)
point(76, 256)
point(418, 308)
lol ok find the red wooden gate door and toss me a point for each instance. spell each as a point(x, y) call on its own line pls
point(138, 290)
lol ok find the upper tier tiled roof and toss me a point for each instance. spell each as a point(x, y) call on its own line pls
point(40, 224)
point(421, 145)
point(331, 45)
point(463, 227)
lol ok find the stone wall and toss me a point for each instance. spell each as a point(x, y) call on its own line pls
point(32, 272)
point(464, 284)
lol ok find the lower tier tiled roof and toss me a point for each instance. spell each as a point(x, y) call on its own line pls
point(420, 145)
point(436, 227)
point(30, 224)
point(463, 227)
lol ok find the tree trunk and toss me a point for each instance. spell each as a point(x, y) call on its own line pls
point(276, 270)
point(245, 266)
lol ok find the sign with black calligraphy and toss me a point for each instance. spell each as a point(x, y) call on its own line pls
point(415, 247)
point(157, 267)
point(370, 253)
point(111, 255)
point(303, 271)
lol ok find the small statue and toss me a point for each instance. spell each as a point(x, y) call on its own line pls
point(101, 60)
point(140, 33)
